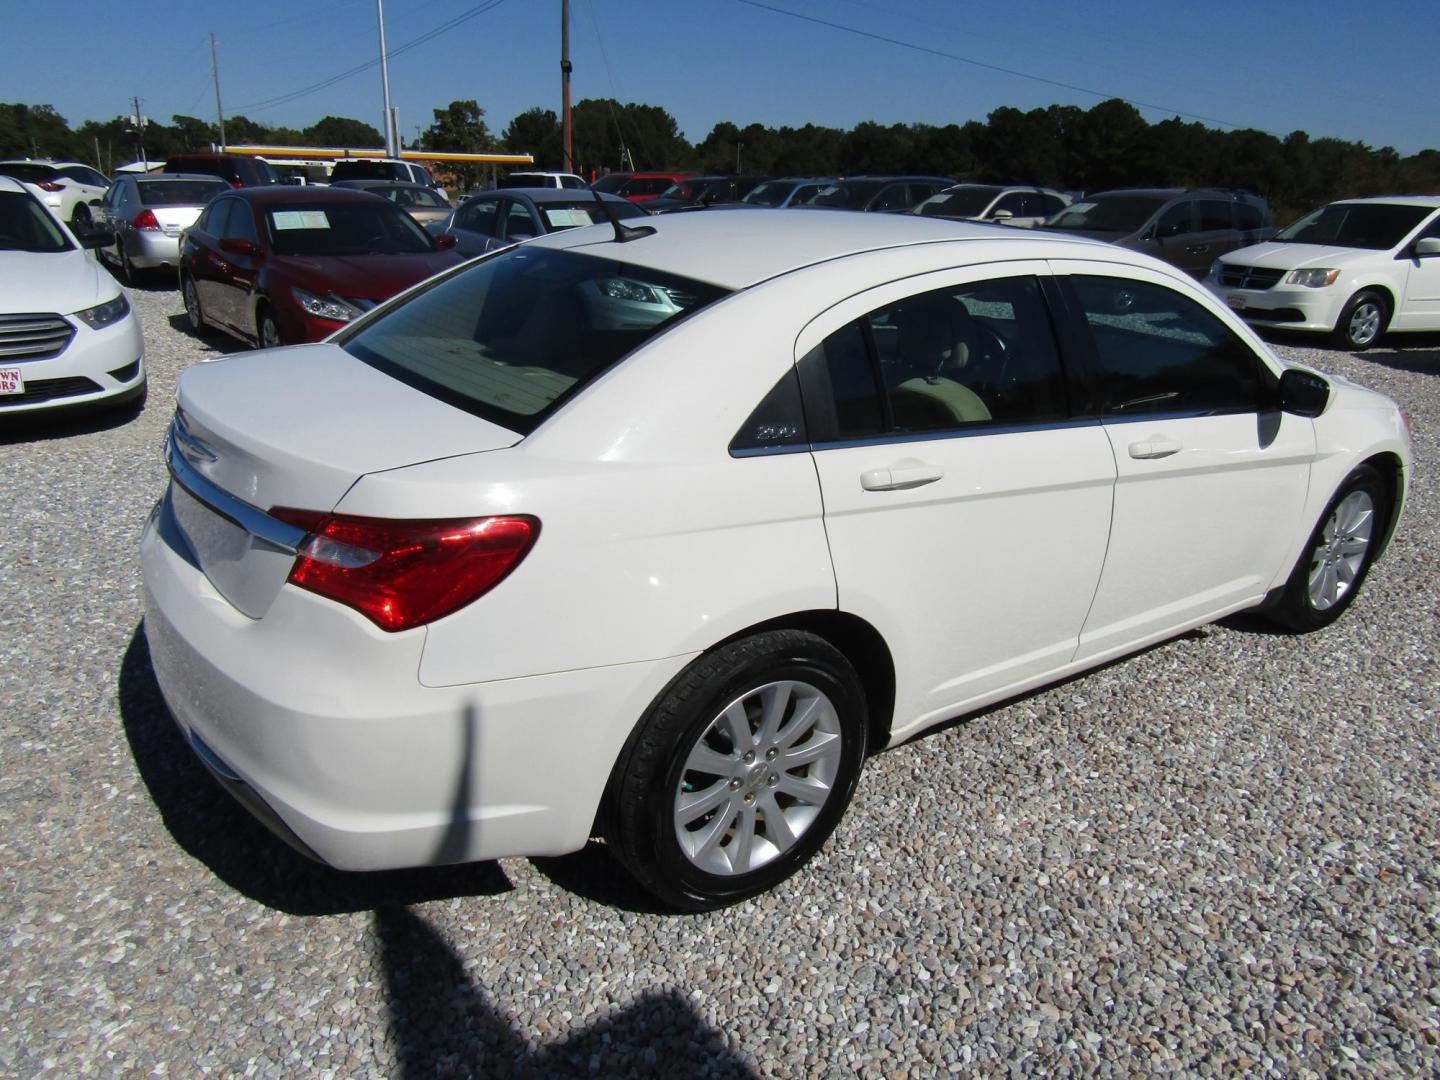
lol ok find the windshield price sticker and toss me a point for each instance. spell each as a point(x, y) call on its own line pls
point(11, 381)
point(300, 219)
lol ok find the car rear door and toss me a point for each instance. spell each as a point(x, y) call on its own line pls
point(1419, 307)
point(1211, 476)
point(967, 508)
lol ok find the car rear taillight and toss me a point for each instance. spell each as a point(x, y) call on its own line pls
point(145, 220)
point(46, 185)
point(402, 574)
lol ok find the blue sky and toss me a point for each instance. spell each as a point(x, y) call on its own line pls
point(1366, 72)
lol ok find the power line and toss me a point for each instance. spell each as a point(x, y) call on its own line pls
point(989, 67)
point(295, 95)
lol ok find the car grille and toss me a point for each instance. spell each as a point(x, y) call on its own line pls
point(1249, 277)
point(679, 297)
point(49, 390)
point(33, 337)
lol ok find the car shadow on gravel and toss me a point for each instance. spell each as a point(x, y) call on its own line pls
point(1423, 361)
point(213, 828)
point(47, 424)
point(442, 1023)
point(214, 340)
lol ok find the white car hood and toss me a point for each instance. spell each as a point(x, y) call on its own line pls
point(63, 282)
point(1300, 256)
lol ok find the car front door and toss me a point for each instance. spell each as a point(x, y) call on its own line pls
point(967, 508)
point(476, 226)
point(1420, 304)
point(1211, 476)
point(238, 267)
point(203, 260)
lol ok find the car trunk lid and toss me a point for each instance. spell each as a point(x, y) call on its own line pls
point(296, 428)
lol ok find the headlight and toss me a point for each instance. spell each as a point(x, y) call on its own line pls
point(102, 315)
point(1315, 279)
point(326, 307)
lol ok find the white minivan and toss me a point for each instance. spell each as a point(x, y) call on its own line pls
point(1356, 269)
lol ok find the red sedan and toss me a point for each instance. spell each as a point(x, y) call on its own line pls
point(285, 265)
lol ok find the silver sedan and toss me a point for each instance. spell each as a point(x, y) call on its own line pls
point(146, 215)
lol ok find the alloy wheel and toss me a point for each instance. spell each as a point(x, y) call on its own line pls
point(1338, 558)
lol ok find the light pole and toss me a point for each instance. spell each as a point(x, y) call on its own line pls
point(392, 148)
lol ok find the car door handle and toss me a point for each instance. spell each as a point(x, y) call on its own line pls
point(1156, 446)
point(901, 476)
point(1198, 249)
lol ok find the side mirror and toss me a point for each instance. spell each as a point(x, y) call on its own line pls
point(445, 241)
point(237, 246)
point(1303, 393)
point(1427, 246)
point(1001, 215)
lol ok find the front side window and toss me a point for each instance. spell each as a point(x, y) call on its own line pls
point(83, 174)
point(1107, 213)
point(25, 226)
point(518, 223)
point(1374, 226)
point(1215, 216)
point(1160, 352)
point(969, 200)
point(481, 216)
point(513, 336)
point(972, 355)
point(240, 223)
point(1174, 221)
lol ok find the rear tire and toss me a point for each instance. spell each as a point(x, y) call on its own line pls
point(1338, 555)
point(739, 771)
point(80, 218)
point(1362, 321)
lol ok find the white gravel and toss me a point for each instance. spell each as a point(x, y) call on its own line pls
point(1215, 857)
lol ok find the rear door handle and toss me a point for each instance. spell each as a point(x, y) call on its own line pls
point(901, 476)
point(1156, 446)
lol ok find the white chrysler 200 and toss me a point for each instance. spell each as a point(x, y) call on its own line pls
point(654, 533)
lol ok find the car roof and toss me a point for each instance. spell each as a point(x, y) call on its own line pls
point(1430, 201)
point(145, 178)
point(292, 195)
point(548, 195)
point(736, 251)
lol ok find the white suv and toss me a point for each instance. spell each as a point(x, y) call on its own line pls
point(1355, 269)
point(69, 188)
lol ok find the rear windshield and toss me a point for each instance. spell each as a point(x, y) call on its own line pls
point(179, 192)
point(770, 194)
point(368, 170)
point(29, 173)
point(1376, 226)
point(1114, 213)
point(344, 228)
point(962, 202)
point(514, 336)
point(25, 226)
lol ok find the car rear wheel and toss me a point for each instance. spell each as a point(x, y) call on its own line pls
point(1338, 554)
point(128, 271)
point(740, 770)
point(1362, 321)
point(80, 218)
point(194, 314)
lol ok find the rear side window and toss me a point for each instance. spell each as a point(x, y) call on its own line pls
point(514, 336)
point(1160, 352)
point(1215, 215)
point(479, 217)
point(1248, 216)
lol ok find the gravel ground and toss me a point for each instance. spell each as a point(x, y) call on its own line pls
point(1215, 857)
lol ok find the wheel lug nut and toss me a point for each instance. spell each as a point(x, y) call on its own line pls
point(735, 784)
point(772, 779)
point(771, 754)
point(750, 797)
point(749, 757)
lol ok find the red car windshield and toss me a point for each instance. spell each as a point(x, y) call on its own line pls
point(344, 228)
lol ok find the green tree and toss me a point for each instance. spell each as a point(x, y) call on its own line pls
point(536, 131)
point(341, 131)
point(35, 131)
point(460, 128)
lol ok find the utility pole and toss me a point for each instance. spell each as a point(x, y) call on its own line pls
point(215, 71)
point(138, 119)
point(565, 135)
point(392, 140)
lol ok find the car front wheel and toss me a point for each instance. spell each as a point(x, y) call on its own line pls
point(268, 329)
point(1362, 321)
point(1338, 554)
point(740, 770)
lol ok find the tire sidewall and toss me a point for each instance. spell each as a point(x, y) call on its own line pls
point(1342, 328)
point(685, 884)
point(190, 295)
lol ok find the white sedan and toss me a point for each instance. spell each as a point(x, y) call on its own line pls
point(1355, 269)
point(68, 336)
point(658, 532)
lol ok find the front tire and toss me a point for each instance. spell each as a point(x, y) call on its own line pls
point(740, 771)
point(267, 329)
point(1362, 321)
point(1338, 554)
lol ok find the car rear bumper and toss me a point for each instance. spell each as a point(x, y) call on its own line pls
point(97, 367)
point(316, 720)
point(152, 250)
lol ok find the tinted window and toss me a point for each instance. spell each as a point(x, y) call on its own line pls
point(770, 194)
point(518, 223)
point(1215, 215)
point(895, 197)
point(1161, 352)
point(777, 422)
point(514, 335)
point(479, 217)
point(1115, 213)
point(967, 201)
point(969, 355)
point(1014, 202)
point(1249, 217)
point(240, 224)
point(1375, 226)
point(29, 173)
point(25, 226)
point(1174, 221)
point(647, 186)
point(1046, 205)
point(84, 174)
point(178, 192)
point(212, 221)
